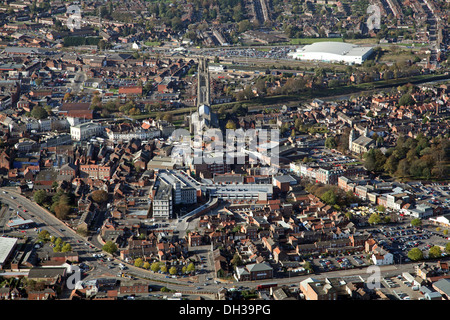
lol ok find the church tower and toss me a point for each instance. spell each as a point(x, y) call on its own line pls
point(351, 137)
point(367, 132)
point(203, 84)
point(204, 117)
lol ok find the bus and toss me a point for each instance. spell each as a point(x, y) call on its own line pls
point(266, 286)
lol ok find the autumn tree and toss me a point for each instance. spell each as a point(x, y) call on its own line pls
point(173, 270)
point(99, 196)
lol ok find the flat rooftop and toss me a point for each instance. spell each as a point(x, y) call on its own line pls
point(338, 48)
point(6, 246)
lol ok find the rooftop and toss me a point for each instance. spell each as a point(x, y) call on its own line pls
point(6, 245)
point(338, 48)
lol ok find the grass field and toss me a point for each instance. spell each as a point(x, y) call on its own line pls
point(299, 41)
point(152, 43)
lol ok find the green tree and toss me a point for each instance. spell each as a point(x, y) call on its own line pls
point(447, 248)
point(415, 254)
point(236, 261)
point(155, 267)
point(40, 197)
point(374, 219)
point(39, 112)
point(330, 143)
point(416, 222)
point(66, 248)
point(110, 247)
point(58, 242)
point(406, 100)
point(173, 270)
point(374, 160)
point(434, 252)
point(163, 269)
point(308, 266)
point(44, 235)
point(190, 267)
point(329, 197)
point(138, 262)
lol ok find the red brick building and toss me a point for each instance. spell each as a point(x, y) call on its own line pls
point(132, 90)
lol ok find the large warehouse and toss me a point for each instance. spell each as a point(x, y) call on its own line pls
point(329, 51)
point(7, 246)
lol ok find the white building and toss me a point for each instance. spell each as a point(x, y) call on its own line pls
point(382, 258)
point(7, 246)
point(184, 188)
point(329, 51)
point(441, 220)
point(142, 134)
point(162, 205)
point(420, 211)
point(85, 131)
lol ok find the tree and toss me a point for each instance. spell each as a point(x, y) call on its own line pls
point(62, 210)
point(39, 112)
point(406, 100)
point(236, 261)
point(416, 222)
point(230, 125)
point(109, 247)
point(40, 197)
point(190, 267)
point(435, 252)
point(173, 270)
point(66, 248)
point(329, 197)
point(330, 143)
point(415, 254)
point(374, 218)
point(163, 268)
point(447, 247)
point(99, 196)
point(381, 208)
point(58, 241)
point(168, 117)
point(374, 160)
point(138, 262)
point(155, 266)
point(44, 235)
point(146, 265)
point(308, 266)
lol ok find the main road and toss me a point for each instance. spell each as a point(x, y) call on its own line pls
point(45, 220)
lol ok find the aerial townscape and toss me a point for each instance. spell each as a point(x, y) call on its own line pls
point(225, 150)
